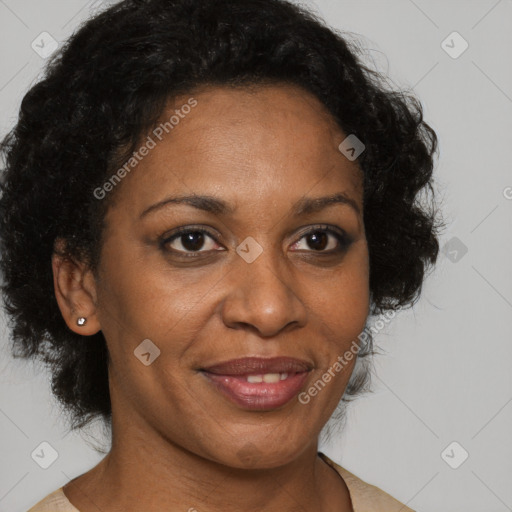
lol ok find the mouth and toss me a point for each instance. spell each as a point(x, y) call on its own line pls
point(255, 383)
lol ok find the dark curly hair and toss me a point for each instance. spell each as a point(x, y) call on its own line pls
point(108, 85)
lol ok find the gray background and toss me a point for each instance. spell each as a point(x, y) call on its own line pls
point(446, 373)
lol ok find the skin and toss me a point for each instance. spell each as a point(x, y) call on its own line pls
point(178, 444)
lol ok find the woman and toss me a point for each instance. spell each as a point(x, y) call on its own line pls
point(203, 204)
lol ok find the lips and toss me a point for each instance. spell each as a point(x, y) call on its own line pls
point(257, 365)
point(255, 383)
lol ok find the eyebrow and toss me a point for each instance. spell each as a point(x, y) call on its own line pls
point(311, 205)
point(217, 206)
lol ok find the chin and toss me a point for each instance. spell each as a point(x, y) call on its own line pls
point(263, 456)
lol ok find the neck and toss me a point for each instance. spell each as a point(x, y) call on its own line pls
point(150, 473)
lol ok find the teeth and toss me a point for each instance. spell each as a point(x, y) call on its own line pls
point(269, 378)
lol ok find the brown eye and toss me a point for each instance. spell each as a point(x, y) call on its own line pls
point(187, 241)
point(318, 240)
point(324, 240)
point(192, 241)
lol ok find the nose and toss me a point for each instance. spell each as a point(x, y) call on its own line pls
point(262, 297)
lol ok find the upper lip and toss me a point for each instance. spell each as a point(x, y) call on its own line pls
point(259, 365)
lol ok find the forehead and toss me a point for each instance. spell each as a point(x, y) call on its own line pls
point(266, 142)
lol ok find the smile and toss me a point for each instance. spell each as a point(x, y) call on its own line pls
point(258, 383)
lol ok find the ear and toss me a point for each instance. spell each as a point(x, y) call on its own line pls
point(75, 291)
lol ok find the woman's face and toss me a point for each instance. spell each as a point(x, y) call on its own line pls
point(264, 280)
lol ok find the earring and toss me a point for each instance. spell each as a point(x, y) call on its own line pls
point(81, 321)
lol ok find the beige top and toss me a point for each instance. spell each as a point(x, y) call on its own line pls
point(365, 497)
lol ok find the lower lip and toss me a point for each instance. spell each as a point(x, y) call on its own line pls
point(259, 396)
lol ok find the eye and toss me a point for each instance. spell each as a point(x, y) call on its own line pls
point(324, 239)
point(189, 240)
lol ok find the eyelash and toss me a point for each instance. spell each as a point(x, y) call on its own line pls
point(343, 239)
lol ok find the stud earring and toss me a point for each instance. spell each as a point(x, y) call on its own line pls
point(81, 321)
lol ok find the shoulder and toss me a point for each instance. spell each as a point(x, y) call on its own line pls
point(366, 497)
point(54, 502)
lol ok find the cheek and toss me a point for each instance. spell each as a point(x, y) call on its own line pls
point(342, 315)
point(144, 320)
point(166, 307)
point(343, 304)
point(145, 291)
